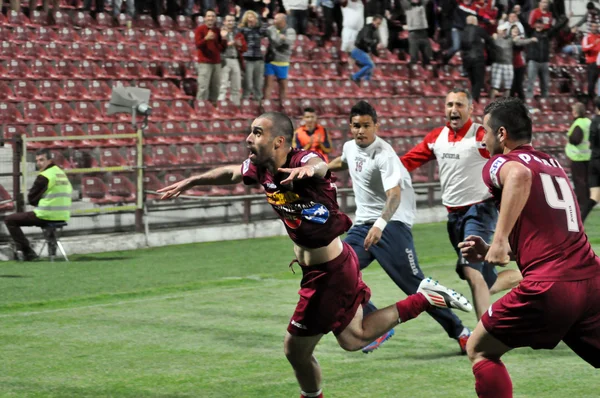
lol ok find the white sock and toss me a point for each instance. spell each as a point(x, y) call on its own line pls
point(311, 394)
point(465, 332)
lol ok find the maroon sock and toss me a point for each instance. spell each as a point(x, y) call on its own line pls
point(492, 379)
point(412, 306)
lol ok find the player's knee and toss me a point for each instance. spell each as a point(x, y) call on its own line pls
point(350, 345)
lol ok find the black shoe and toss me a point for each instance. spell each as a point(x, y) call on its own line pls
point(30, 256)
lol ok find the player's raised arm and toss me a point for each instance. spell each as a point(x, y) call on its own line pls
point(337, 164)
point(220, 176)
point(515, 180)
point(314, 167)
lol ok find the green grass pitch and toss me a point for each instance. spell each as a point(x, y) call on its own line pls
point(207, 320)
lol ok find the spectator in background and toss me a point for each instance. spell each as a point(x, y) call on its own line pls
point(327, 7)
point(176, 7)
point(473, 42)
point(312, 136)
point(379, 8)
point(591, 16)
point(210, 42)
point(538, 55)
point(513, 20)
point(579, 154)
point(519, 65)
point(445, 12)
point(281, 38)
point(594, 166)
point(254, 77)
point(116, 10)
point(567, 43)
point(366, 42)
point(502, 67)
point(51, 196)
point(87, 6)
point(353, 21)
point(297, 11)
point(541, 13)
point(591, 47)
point(231, 73)
point(416, 24)
point(462, 10)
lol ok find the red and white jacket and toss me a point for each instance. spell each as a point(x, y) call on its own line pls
point(590, 45)
point(461, 156)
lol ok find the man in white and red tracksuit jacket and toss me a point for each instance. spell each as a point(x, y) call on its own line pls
point(461, 154)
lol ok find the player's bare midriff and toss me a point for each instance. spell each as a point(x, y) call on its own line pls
point(320, 255)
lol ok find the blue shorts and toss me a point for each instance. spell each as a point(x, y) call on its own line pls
point(280, 72)
point(478, 219)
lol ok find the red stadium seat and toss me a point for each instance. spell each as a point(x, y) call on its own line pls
point(83, 20)
point(122, 128)
point(61, 19)
point(10, 114)
point(227, 110)
point(67, 70)
point(171, 70)
point(25, 90)
point(249, 109)
point(67, 35)
point(211, 154)
point(32, 50)
point(75, 90)
point(184, 53)
point(181, 110)
point(270, 106)
point(113, 69)
point(111, 157)
point(187, 155)
point(152, 183)
point(35, 112)
point(61, 112)
point(235, 152)
point(12, 131)
point(14, 18)
point(86, 112)
point(204, 109)
point(94, 190)
point(6, 92)
point(55, 51)
point(160, 111)
point(38, 18)
point(97, 129)
point(43, 130)
point(162, 156)
point(50, 90)
point(5, 198)
point(21, 34)
point(72, 130)
point(99, 90)
point(9, 50)
point(16, 69)
point(184, 23)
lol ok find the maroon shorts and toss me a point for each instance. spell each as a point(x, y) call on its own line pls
point(330, 294)
point(541, 314)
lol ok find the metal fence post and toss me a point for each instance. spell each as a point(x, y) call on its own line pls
point(140, 202)
point(17, 194)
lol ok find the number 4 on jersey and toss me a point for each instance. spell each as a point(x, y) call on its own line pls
point(567, 203)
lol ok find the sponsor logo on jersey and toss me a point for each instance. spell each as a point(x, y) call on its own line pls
point(447, 155)
point(494, 169)
point(317, 214)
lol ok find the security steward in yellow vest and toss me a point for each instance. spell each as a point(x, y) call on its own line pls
point(579, 153)
point(312, 136)
point(51, 196)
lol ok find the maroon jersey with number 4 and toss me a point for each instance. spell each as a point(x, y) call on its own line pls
point(548, 239)
point(307, 207)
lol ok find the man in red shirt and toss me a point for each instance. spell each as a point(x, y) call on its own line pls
point(590, 47)
point(540, 227)
point(332, 293)
point(210, 42)
point(543, 13)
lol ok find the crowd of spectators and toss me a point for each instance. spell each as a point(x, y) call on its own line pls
point(515, 37)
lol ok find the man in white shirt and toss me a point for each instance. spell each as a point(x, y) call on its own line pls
point(461, 154)
point(382, 228)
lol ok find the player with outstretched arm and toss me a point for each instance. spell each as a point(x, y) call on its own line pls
point(298, 186)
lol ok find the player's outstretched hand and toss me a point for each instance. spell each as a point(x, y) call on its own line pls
point(498, 253)
point(297, 173)
point(473, 249)
point(373, 237)
point(174, 190)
